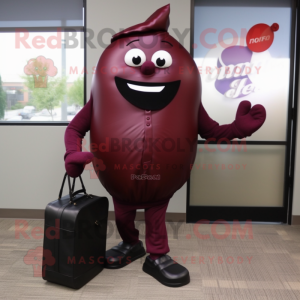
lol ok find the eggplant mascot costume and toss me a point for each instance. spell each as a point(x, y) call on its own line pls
point(144, 116)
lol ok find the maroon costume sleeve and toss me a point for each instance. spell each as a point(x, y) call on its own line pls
point(247, 121)
point(75, 160)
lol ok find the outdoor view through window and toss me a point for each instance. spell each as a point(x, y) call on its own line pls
point(41, 76)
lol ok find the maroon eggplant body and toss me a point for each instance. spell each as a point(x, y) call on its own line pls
point(144, 126)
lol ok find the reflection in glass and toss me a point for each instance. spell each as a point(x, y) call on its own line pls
point(41, 79)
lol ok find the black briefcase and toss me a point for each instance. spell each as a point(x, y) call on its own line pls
point(74, 237)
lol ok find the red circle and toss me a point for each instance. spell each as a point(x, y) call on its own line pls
point(260, 38)
point(275, 27)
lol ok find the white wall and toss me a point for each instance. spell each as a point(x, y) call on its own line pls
point(31, 160)
point(32, 168)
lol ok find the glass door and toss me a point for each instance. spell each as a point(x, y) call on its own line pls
point(242, 55)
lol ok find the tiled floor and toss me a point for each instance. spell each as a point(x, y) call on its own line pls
point(259, 266)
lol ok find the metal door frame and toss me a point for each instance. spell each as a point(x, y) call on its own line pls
point(259, 213)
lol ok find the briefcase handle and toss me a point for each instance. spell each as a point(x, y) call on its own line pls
point(71, 189)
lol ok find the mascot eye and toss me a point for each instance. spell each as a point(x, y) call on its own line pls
point(135, 58)
point(162, 59)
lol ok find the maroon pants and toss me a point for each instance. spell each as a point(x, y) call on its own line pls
point(156, 232)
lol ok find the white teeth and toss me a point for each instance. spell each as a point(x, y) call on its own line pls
point(151, 89)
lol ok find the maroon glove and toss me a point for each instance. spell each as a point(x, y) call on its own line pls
point(247, 121)
point(75, 160)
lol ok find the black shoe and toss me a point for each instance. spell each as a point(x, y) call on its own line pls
point(167, 271)
point(123, 254)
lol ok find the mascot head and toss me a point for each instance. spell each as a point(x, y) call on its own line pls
point(147, 67)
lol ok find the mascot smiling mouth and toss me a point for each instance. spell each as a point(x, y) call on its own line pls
point(147, 96)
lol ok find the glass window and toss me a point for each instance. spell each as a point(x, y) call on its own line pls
point(228, 175)
point(42, 76)
point(231, 71)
